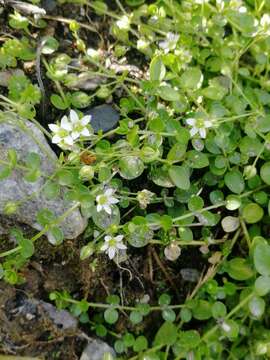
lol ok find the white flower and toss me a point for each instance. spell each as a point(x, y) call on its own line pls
point(199, 126)
point(169, 43)
point(79, 126)
point(70, 129)
point(123, 23)
point(61, 134)
point(225, 327)
point(113, 245)
point(105, 201)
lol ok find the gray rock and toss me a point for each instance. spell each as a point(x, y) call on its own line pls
point(95, 350)
point(104, 117)
point(25, 137)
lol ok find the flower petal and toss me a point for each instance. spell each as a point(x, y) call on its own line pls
point(107, 238)
point(113, 200)
point(202, 132)
point(104, 247)
point(54, 128)
point(119, 237)
point(56, 139)
point(85, 132)
point(111, 252)
point(75, 135)
point(107, 209)
point(86, 120)
point(74, 118)
point(65, 124)
point(208, 124)
point(99, 208)
point(121, 246)
point(68, 140)
point(109, 192)
point(193, 131)
point(191, 121)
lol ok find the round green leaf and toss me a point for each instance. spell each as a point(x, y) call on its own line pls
point(131, 167)
point(265, 173)
point(252, 213)
point(239, 269)
point(234, 181)
point(262, 259)
point(111, 315)
point(180, 176)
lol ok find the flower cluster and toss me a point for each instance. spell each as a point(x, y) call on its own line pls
point(70, 130)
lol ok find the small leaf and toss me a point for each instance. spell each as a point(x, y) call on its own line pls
point(180, 176)
point(191, 79)
point(239, 269)
point(27, 248)
point(157, 69)
point(252, 213)
point(111, 315)
point(265, 173)
point(168, 93)
point(166, 335)
point(234, 181)
point(262, 259)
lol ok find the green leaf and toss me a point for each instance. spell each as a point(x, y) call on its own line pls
point(111, 316)
point(5, 171)
point(256, 307)
point(191, 79)
point(262, 259)
point(166, 335)
point(189, 339)
point(140, 344)
point(56, 235)
point(27, 248)
point(197, 159)
point(168, 93)
point(252, 213)
point(58, 102)
point(265, 173)
point(239, 269)
point(131, 167)
point(234, 181)
point(51, 190)
point(157, 69)
point(180, 176)
point(262, 285)
point(202, 310)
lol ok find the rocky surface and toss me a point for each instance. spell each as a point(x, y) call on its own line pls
point(104, 117)
point(24, 137)
point(95, 350)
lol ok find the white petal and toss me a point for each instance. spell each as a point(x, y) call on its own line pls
point(74, 118)
point(99, 208)
point(98, 198)
point(113, 200)
point(85, 132)
point(121, 246)
point(193, 131)
point(104, 247)
point(202, 132)
point(107, 209)
point(68, 140)
point(56, 139)
point(111, 252)
point(54, 128)
point(109, 192)
point(208, 123)
point(119, 237)
point(65, 124)
point(107, 238)
point(75, 135)
point(86, 120)
point(191, 121)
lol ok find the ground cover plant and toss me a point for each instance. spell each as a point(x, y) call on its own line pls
point(175, 260)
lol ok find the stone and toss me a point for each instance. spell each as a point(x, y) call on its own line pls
point(95, 350)
point(25, 137)
point(104, 117)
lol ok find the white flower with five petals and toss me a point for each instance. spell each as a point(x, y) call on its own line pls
point(112, 245)
point(105, 201)
point(79, 126)
point(61, 134)
point(199, 126)
point(169, 43)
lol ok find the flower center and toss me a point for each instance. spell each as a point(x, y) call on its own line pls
point(112, 243)
point(200, 123)
point(103, 200)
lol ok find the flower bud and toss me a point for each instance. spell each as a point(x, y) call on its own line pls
point(86, 172)
point(10, 208)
